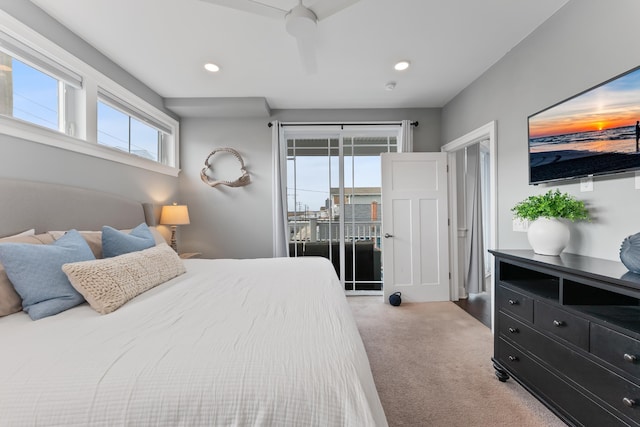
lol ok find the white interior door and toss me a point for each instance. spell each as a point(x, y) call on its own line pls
point(415, 226)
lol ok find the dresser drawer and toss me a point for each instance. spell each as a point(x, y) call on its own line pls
point(546, 385)
point(514, 330)
point(620, 350)
point(515, 303)
point(562, 324)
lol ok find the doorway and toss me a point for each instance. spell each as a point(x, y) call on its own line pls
point(334, 200)
point(473, 207)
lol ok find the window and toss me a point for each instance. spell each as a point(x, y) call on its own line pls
point(66, 103)
point(124, 132)
point(35, 88)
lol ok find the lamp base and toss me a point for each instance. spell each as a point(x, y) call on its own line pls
point(174, 243)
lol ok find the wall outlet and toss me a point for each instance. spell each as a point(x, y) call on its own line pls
point(586, 184)
point(521, 225)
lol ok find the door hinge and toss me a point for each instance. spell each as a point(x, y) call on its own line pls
point(447, 168)
point(449, 275)
point(448, 222)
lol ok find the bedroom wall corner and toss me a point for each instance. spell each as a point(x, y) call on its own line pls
point(584, 44)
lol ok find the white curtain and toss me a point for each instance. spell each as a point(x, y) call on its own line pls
point(406, 137)
point(279, 190)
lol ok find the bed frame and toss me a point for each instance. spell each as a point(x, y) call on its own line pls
point(45, 207)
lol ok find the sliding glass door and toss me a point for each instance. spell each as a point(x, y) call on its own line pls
point(334, 200)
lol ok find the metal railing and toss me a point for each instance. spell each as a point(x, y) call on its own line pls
point(323, 230)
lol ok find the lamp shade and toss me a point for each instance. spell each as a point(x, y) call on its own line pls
point(174, 215)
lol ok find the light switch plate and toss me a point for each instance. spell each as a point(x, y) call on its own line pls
point(586, 184)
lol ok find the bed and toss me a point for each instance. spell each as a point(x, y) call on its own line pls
point(230, 342)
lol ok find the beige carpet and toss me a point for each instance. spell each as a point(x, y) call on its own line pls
point(432, 366)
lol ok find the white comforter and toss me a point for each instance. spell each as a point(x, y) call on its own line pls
point(232, 342)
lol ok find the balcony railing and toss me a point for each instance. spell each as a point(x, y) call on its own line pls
point(363, 257)
point(322, 230)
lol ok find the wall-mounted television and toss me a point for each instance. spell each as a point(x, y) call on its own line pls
point(593, 133)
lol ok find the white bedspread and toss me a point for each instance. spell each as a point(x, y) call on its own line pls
point(232, 342)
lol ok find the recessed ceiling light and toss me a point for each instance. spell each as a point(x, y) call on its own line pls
point(211, 67)
point(402, 65)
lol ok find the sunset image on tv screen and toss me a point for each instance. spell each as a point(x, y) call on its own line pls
point(594, 133)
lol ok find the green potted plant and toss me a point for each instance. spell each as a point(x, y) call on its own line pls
point(547, 234)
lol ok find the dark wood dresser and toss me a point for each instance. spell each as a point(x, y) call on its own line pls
point(568, 329)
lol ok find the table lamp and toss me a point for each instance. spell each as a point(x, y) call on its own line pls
point(174, 215)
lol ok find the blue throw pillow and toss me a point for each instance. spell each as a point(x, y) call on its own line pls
point(36, 273)
point(115, 242)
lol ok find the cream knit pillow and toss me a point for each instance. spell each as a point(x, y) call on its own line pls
point(109, 283)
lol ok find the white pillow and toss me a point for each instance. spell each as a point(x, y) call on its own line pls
point(30, 232)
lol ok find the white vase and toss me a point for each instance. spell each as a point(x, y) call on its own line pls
point(548, 236)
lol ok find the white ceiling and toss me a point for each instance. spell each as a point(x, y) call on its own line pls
point(164, 43)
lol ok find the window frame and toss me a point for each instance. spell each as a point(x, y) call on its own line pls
point(117, 104)
point(83, 121)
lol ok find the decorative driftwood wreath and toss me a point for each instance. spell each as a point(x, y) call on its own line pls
point(240, 182)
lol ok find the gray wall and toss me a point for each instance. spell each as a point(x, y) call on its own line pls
point(237, 222)
point(29, 160)
point(585, 43)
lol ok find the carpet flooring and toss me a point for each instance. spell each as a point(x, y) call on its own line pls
point(432, 366)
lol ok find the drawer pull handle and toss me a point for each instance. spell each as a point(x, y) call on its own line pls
point(513, 302)
point(558, 323)
point(516, 330)
point(629, 402)
point(630, 358)
point(515, 359)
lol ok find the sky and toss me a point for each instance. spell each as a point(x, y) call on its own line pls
point(609, 106)
point(314, 175)
point(35, 96)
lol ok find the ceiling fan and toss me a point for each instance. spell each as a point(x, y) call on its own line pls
point(300, 21)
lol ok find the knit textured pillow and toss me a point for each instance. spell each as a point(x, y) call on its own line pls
point(107, 284)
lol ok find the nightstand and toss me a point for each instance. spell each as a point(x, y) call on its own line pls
point(188, 255)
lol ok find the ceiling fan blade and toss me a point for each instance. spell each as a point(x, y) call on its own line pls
point(307, 50)
point(251, 6)
point(325, 8)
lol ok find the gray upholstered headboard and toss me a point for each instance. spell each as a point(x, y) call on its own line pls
point(48, 207)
